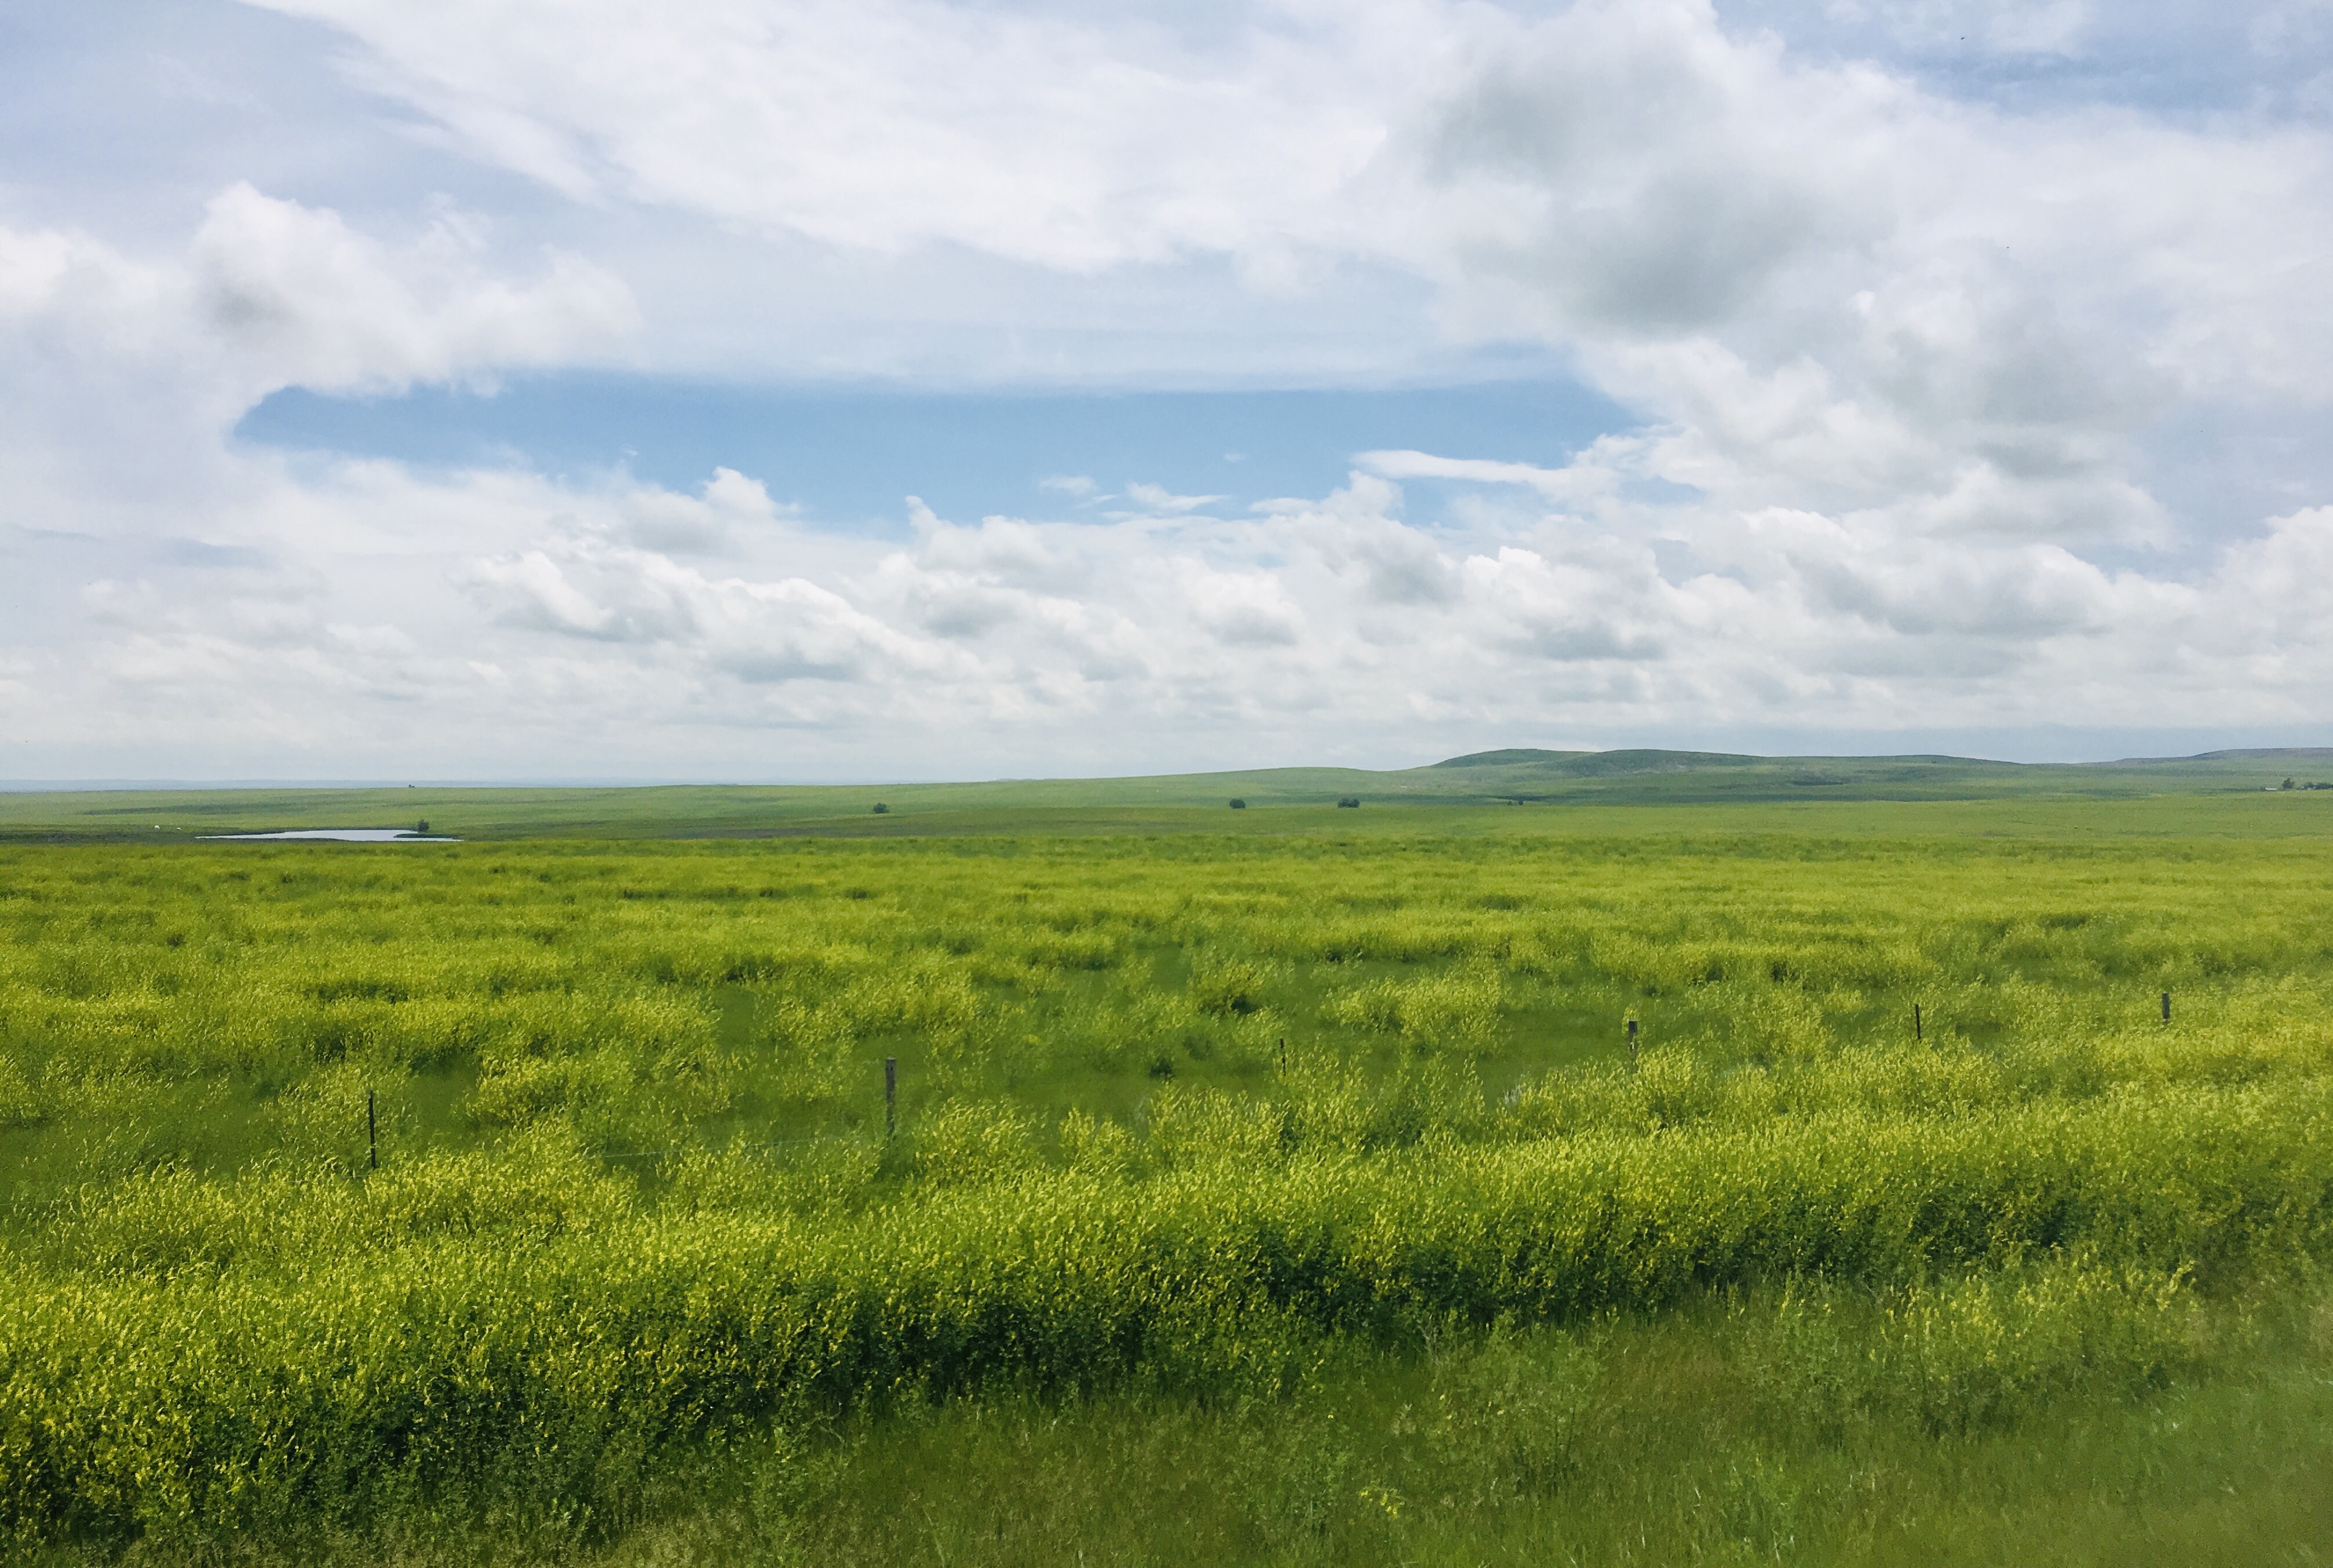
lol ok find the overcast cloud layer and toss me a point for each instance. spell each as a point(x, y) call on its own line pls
point(1980, 356)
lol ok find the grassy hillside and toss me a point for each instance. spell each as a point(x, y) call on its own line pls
point(1532, 781)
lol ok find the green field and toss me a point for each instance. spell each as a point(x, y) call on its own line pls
point(1275, 1186)
point(1535, 781)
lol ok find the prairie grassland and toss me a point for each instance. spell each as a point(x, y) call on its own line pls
point(1462, 796)
point(1328, 1143)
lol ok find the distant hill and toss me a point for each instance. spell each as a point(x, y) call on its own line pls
point(1509, 777)
point(1602, 764)
point(2242, 755)
point(1511, 755)
point(1527, 775)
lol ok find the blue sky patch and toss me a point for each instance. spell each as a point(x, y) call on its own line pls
point(850, 457)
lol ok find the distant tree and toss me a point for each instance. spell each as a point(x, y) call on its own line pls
point(1239, 804)
point(1348, 800)
point(881, 809)
point(2288, 784)
point(422, 826)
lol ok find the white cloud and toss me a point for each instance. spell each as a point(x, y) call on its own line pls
point(1902, 359)
point(1840, 285)
point(1157, 500)
point(1243, 609)
point(516, 626)
point(121, 375)
point(1577, 482)
point(295, 291)
point(732, 508)
point(883, 124)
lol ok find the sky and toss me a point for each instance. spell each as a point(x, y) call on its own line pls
point(882, 389)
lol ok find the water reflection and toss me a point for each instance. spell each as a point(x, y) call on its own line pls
point(349, 836)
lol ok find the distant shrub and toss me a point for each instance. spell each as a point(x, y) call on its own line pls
point(881, 809)
point(1238, 805)
point(1348, 800)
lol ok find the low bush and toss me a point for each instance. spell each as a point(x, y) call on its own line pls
point(273, 1364)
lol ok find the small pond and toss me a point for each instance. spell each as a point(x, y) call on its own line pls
point(347, 836)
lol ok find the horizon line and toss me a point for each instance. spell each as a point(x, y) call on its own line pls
point(62, 786)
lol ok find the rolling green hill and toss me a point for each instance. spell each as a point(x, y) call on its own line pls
point(1167, 802)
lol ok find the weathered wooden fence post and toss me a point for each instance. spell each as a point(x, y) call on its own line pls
point(2166, 1006)
point(890, 1095)
point(372, 1135)
point(1916, 1036)
point(1632, 1044)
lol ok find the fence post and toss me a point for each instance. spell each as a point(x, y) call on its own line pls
point(372, 1135)
point(1632, 1044)
point(890, 1095)
point(1916, 1036)
point(2166, 1006)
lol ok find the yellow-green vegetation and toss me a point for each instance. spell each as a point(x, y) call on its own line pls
point(1295, 1193)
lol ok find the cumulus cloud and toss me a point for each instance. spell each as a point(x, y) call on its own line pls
point(308, 301)
point(731, 508)
point(520, 625)
point(1045, 137)
point(272, 294)
point(121, 374)
point(1839, 284)
point(1900, 358)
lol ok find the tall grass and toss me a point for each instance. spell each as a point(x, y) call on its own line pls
point(1184, 1121)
